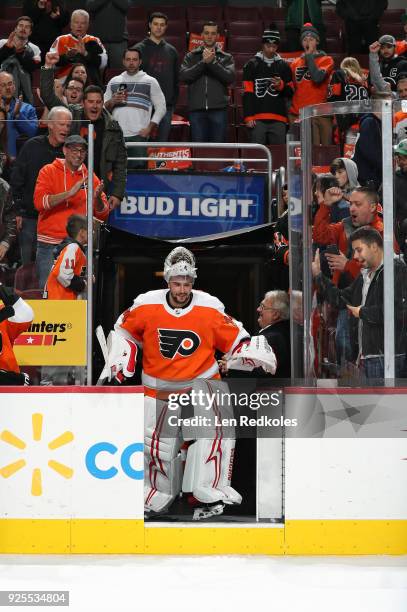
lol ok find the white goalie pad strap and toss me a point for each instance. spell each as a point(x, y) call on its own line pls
point(257, 353)
point(208, 471)
point(122, 354)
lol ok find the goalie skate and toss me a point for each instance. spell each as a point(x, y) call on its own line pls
point(207, 512)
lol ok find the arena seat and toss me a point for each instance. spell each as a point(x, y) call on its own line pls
point(205, 13)
point(241, 59)
point(26, 277)
point(205, 166)
point(179, 42)
point(175, 13)
point(241, 13)
point(137, 30)
point(322, 155)
point(245, 28)
point(271, 14)
point(250, 44)
point(393, 16)
point(10, 12)
point(138, 13)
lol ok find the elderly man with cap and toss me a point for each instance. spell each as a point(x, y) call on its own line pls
point(267, 84)
point(385, 66)
point(311, 74)
point(61, 191)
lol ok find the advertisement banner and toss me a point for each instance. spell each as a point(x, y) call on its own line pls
point(71, 455)
point(176, 205)
point(57, 336)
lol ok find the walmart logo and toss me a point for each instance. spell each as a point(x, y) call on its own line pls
point(36, 479)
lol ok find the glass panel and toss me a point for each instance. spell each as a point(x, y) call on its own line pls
point(348, 330)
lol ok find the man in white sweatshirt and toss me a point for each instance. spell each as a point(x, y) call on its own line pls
point(136, 101)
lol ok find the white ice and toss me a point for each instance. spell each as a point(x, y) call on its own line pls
point(215, 583)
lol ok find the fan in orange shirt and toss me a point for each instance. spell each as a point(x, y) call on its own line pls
point(65, 281)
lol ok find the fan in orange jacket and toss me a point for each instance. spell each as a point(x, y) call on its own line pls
point(311, 73)
point(61, 191)
point(15, 317)
point(363, 211)
point(65, 281)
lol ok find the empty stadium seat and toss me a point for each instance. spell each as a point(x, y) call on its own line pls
point(245, 28)
point(392, 16)
point(322, 155)
point(205, 166)
point(173, 12)
point(271, 14)
point(10, 12)
point(241, 13)
point(250, 44)
point(179, 42)
point(241, 59)
point(137, 30)
point(26, 277)
point(205, 13)
point(6, 27)
point(138, 13)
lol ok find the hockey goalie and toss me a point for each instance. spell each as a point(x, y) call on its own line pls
point(179, 329)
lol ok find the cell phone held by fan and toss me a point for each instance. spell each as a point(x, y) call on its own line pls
point(333, 250)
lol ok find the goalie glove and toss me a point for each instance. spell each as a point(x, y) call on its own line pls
point(121, 357)
point(254, 354)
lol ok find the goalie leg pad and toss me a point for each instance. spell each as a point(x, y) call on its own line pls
point(208, 471)
point(162, 460)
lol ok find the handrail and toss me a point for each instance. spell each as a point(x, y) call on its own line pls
point(210, 145)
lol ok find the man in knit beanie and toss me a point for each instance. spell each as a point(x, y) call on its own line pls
point(266, 89)
point(311, 74)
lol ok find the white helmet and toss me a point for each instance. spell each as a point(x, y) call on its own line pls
point(180, 262)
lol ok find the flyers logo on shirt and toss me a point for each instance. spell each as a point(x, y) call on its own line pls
point(301, 73)
point(181, 341)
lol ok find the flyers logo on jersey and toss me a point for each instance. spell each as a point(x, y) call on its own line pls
point(301, 73)
point(181, 341)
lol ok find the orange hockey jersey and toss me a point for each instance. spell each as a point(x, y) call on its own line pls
point(66, 269)
point(306, 90)
point(179, 344)
point(64, 43)
point(10, 329)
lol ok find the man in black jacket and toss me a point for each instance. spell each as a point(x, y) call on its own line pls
point(274, 323)
point(161, 61)
point(364, 301)
point(208, 71)
point(36, 153)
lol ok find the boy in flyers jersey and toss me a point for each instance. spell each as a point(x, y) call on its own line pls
point(15, 317)
point(65, 281)
point(180, 329)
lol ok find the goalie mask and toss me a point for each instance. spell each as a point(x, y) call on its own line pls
point(180, 262)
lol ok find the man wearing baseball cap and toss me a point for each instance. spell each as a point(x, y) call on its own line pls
point(385, 65)
point(61, 191)
point(311, 74)
point(267, 86)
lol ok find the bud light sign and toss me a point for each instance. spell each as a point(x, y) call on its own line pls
point(186, 205)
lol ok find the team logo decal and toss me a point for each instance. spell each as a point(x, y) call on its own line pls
point(265, 86)
point(181, 341)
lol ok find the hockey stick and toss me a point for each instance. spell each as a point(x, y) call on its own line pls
point(100, 335)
